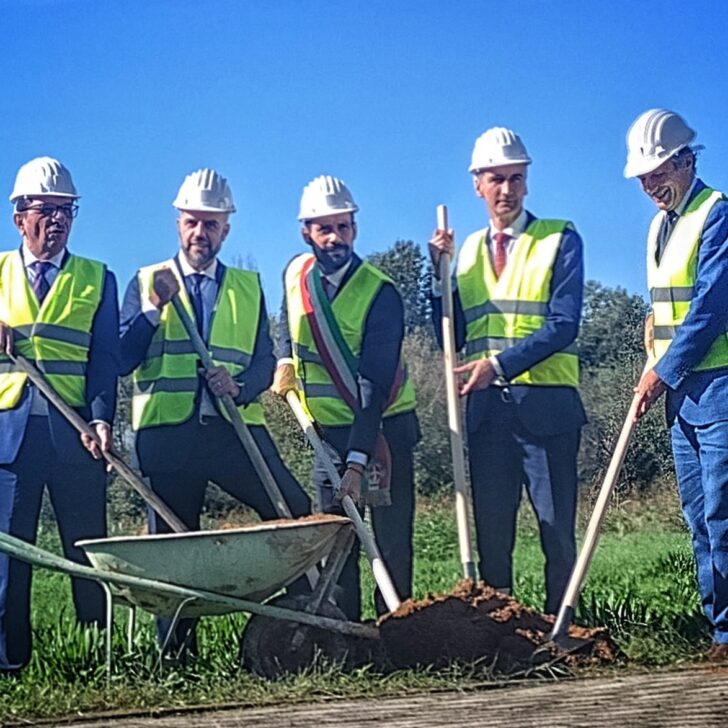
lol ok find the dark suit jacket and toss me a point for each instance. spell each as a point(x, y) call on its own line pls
point(101, 375)
point(165, 448)
point(701, 397)
point(381, 349)
point(542, 410)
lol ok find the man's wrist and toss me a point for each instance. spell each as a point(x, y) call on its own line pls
point(356, 467)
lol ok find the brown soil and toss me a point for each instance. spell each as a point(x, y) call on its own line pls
point(475, 623)
point(314, 517)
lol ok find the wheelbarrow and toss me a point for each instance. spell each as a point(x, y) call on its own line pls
point(219, 572)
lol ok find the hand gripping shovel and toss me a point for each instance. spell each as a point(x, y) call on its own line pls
point(559, 634)
point(462, 495)
point(241, 429)
point(111, 457)
point(379, 569)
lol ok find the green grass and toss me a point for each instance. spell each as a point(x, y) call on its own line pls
point(641, 586)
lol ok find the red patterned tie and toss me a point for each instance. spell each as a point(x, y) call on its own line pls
point(500, 255)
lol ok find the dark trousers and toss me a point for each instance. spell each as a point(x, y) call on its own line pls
point(505, 456)
point(215, 454)
point(78, 496)
point(392, 524)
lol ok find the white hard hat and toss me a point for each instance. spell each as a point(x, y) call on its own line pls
point(43, 176)
point(205, 191)
point(496, 147)
point(653, 138)
point(323, 196)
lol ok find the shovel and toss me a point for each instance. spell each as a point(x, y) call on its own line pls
point(111, 457)
point(379, 569)
point(462, 495)
point(241, 429)
point(559, 634)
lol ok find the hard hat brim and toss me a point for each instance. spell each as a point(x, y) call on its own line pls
point(505, 163)
point(203, 208)
point(66, 195)
point(306, 218)
point(639, 167)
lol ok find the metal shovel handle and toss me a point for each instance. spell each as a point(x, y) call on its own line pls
point(379, 568)
point(462, 494)
point(111, 457)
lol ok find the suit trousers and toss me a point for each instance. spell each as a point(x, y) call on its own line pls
point(504, 456)
point(701, 464)
point(78, 496)
point(217, 455)
point(392, 525)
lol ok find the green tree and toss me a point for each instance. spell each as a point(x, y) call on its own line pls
point(612, 357)
point(405, 264)
point(611, 327)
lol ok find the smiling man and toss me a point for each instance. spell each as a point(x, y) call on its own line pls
point(340, 344)
point(183, 438)
point(517, 297)
point(687, 274)
point(59, 311)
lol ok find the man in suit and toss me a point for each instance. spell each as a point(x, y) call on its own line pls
point(340, 342)
point(517, 300)
point(183, 439)
point(64, 318)
point(687, 274)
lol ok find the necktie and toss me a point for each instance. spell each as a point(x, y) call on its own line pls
point(329, 288)
point(501, 252)
point(196, 298)
point(666, 228)
point(40, 283)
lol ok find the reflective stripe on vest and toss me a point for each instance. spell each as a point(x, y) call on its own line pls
point(56, 336)
point(166, 383)
point(350, 307)
point(672, 282)
point(501, 312)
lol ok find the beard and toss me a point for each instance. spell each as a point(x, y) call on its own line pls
point(332, 259)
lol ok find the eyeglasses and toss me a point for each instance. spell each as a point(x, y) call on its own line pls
point(48, 209)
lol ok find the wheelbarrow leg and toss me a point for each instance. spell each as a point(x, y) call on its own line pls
point(173, 625)
point(130, 627)
point(332, 569)
point(109, 626)
point(328, 577)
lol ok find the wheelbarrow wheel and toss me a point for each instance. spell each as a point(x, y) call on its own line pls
point(271, 647)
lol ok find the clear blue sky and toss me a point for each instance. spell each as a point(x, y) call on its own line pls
point(388, 95)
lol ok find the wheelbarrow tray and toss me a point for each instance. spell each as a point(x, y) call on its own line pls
point(251, 563)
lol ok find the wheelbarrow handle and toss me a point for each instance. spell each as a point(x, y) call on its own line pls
point(462, 493)
point(111, 457)
point(379, 568)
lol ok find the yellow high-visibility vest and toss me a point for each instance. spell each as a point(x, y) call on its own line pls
point(500, 312)
point(55, 336)
point(350, 308)
point(672, 282)
point(166, 382)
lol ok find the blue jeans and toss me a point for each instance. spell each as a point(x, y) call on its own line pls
point(701, 463)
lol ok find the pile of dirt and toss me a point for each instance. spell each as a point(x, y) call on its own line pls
point(476, 623)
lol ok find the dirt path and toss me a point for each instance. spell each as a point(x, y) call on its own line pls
point(696, 697)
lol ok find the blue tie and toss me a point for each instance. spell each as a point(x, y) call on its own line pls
point(40, 283)
point(196, 298)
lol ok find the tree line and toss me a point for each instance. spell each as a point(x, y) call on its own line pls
point(610, 351)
